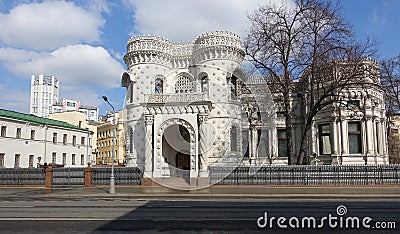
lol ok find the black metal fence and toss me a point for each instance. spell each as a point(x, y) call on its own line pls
point(268, 175)
point(307, 175)
point(123, 175)
point(22, 176)
point(68, 176)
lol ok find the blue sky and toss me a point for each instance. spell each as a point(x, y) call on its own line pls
point(83, 42)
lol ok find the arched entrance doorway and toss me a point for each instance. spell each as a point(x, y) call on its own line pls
point(176, 150)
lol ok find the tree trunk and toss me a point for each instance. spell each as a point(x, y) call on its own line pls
point(304, 143)
point(289, 131)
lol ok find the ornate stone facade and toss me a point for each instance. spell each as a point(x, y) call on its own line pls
point(190, 107)
point(181, 102)
point(354, 131)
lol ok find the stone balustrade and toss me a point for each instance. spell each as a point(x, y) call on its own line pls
point(174, 98)
point(218, 38)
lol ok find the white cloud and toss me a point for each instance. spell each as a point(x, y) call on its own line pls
point(14, 99)
point(184, 20)
point(50, 24)
point(81, 69)
point(116, 55)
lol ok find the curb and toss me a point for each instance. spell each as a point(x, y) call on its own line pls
point(259, 192)
point(165, 195)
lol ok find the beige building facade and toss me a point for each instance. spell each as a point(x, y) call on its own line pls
point(79, 119)
point(104, 140)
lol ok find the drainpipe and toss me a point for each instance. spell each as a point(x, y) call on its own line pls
point(45, 144)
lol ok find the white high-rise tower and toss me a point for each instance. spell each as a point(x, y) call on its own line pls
point(44, 93)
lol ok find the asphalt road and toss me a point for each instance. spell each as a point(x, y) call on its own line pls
point(102, 215)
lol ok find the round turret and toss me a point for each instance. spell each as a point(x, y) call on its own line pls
point(218, 38)
point(147, 49)
point(218, 45)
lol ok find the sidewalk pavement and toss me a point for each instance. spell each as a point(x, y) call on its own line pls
point(278, 192)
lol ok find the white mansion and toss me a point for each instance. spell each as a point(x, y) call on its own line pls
point(190, 106)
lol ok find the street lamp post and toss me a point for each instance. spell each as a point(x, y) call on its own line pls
point(112, 178)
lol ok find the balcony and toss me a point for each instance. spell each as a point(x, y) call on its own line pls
point(174, 98)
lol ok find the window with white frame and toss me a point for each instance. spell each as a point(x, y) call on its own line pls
point(282, 142)
point(65, 139)
point(31, 158)
point(32, 134)
point(354, 138)
point(19, 132)
point(324, 139)
point(262, 146)
point(3, 131)
point(17, 160)
point(55, 138)
point(64, 158)
point(54, 158)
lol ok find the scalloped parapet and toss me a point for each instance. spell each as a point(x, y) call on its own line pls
point(218, 38)
point(213, 45)
point(145, 43)
point(182, 49)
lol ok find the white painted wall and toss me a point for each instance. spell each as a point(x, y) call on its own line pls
point(42, 146)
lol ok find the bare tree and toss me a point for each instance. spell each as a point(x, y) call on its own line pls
point(329, 49)
point(312, 42)
point(390, 79)
point(273, 45)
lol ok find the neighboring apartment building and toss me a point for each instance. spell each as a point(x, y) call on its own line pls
point(104, 139)
point(394, 138)
point(78, 119)
point(351, 130)
point(45, 99)
point(44, 93)
point(30, 141)
point(91, 112)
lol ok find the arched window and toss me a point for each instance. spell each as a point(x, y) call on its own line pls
point(234, 142)
point(183, 85)
point(204, 83)
point(233, 88)
point(159, 86)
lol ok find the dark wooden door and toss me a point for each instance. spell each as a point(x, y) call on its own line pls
point(183, 161)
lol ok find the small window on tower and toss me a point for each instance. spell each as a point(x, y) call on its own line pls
point(159, 86)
